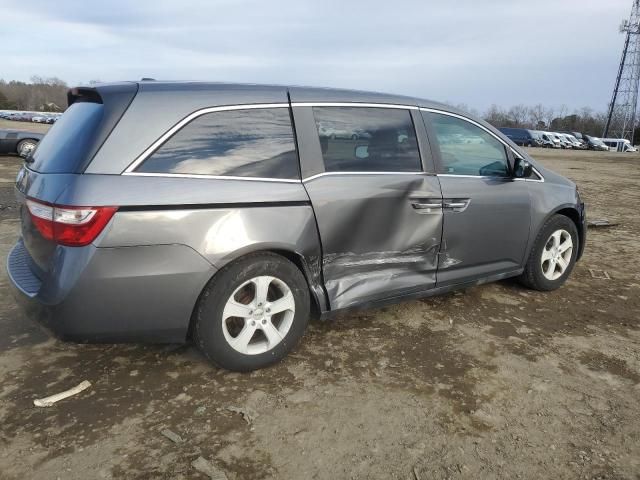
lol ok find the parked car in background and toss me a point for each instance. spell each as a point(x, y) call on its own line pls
point(520, 136)
point(537, 136)
point(542, 139)
point(595, 143)
point(229, 212)
point(569, 141)
point(19, 142)
point(23, 116)
point(550, 140)
point(619, 145)
point(577, 144)
point(578, 136)
point(564, 142)
point(39, 119)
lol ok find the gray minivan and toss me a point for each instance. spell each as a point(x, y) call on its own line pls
point(223, 213)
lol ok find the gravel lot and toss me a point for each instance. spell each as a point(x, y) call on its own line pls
point(493, 382)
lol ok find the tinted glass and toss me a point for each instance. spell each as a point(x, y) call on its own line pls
point(466, 149)
point(66, 145)
point(239, 143)
point(359, 139)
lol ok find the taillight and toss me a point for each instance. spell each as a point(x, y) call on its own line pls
point(71, 226)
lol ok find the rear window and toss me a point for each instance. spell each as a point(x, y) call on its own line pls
point(255, 143)
point(65, 146)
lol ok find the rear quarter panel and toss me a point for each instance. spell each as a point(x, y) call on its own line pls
point(221, 220)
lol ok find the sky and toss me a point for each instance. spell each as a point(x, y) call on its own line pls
point(472, 52)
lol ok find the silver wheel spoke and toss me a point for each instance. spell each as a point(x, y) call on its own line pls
point(563, 264)
point(235, 309)
point(556, 238)
point(272, 333)
point(566, 245)
point(282, 304)
point(546, 255)
point(262, 287)
point(241, 342)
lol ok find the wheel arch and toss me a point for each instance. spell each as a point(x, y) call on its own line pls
point(309, 267)
point(571, 212)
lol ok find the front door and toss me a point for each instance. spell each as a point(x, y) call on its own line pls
point(486, 211)
point(379, 214)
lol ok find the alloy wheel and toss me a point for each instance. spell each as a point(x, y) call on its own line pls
point(556, 254)
point(258, 315)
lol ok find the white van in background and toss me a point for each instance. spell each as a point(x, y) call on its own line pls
point(619, 145)
point(550, 137)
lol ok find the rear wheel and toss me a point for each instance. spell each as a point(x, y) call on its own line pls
point(553, 255)
point(252, 313)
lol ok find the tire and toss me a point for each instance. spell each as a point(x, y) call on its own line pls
point(546, 274)
point(25, 147)
point(248, 343)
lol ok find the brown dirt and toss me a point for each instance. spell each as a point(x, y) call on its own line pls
point(28, 126)
point(493, 382)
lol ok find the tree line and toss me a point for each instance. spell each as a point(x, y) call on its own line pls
point(50, 94)
point(541, 117)
point(41, 95)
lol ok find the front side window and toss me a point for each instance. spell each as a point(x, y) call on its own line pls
point(367, 139)
point(241, 143)
point(466, 149)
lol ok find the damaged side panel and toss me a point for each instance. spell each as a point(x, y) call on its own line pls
point(378, 238)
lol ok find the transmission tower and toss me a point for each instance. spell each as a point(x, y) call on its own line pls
point(622, 118)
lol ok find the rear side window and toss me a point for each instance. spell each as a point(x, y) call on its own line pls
point(239, 143)
point(364, 139)
point(65, 146)
point(466, 149)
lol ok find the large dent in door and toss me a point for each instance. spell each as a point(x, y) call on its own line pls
point(361, 277)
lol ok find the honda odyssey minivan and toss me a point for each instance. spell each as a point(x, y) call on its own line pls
point(230, 214)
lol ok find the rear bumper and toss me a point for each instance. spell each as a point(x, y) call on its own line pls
point(131, 294)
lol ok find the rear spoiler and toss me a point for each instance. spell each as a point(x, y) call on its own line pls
point(102, 93)
point(83, 94)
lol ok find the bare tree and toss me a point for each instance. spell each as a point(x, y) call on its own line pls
point(518, 115)
point(536, 115)
point(549, 115)
point(496, 116)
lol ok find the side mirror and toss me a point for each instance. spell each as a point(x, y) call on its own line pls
point(362, 151)
point(522, 168)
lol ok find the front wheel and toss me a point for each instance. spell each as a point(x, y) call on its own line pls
point(252, 313)
point(553, 255)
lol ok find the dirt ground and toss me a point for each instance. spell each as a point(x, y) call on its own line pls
point(30, 126)
point(493, 382)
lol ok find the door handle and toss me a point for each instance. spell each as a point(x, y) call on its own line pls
point(425, 205)
point(457, 204)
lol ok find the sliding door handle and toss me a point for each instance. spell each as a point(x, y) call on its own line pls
point(456, 204)
point(426, 205)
